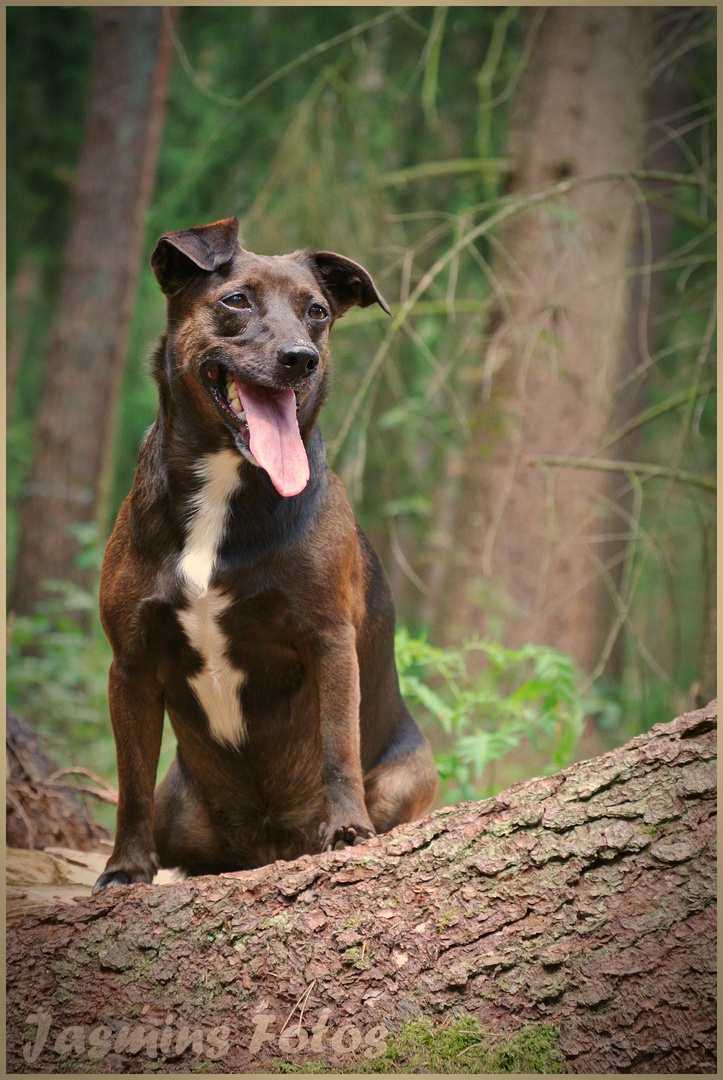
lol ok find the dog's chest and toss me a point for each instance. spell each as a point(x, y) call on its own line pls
point(217, 685)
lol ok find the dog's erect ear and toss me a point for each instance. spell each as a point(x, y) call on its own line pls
point(180, 255)
point(346, 282)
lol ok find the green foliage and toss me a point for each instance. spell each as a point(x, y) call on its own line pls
point(459, 1045)
point(57, 679)
point(57, 675)
point(462, 1046)
point(490, 701)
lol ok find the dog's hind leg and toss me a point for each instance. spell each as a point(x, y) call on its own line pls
point(401, 788)
point(184, 836)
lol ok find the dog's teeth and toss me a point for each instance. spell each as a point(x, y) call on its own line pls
point(242, 415)
point(236, 406)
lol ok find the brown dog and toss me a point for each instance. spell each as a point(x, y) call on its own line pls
point(239, 594)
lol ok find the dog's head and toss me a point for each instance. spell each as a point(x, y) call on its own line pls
point(249, 337)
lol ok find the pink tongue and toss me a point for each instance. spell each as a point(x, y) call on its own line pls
point(274, 437)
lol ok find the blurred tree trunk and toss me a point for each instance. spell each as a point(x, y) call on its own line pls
point(708, 678)
point(527, 540)
point(87, 343)
point(670, 96)
point(22, 294)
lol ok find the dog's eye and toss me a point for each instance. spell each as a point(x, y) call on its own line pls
point(317, 312)
point(238, 300)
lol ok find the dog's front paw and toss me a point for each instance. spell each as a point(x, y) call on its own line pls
point(335, 837)
point(117, 874)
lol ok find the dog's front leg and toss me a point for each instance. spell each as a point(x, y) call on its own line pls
point(347, 821)
point(136, 711)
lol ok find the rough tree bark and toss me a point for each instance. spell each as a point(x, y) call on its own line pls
point(86, 348)
point(585, 899)
point(527, 542)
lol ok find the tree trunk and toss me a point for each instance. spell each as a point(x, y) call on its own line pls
point(584, 900)
point(525, 544)
point(670, 95)
point(86, 349)
point(708, 679)
point(24, 290)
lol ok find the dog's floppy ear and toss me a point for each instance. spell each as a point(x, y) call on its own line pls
point(180, 255)
point(346, 282)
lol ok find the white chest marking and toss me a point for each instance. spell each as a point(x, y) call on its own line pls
point(217, 685)
point(209, 508)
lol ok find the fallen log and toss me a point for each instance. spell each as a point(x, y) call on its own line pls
point(576, 911)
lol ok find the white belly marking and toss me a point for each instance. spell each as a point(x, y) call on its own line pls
point(218, 684)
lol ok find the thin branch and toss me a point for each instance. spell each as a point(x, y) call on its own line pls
point(454, 166)
point(440, 381)
point(182, 55)
point(534, 26)
point(109, 797)
point(686, 46)
point(461, 305)
point(300, 1001)
point(656, 357)
point(658, 410)
point(19, 810)
point(78, 771)
point(486, 77)
point(701, 359)
point(432, 51)
point(286, 69)
point(639, 468)
point(104, 793)
point(622, 596)
point(401, 559)
point(463, 166)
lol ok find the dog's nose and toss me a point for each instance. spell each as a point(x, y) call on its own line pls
point(302, 359)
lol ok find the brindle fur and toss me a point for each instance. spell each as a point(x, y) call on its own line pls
point(330, 754)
